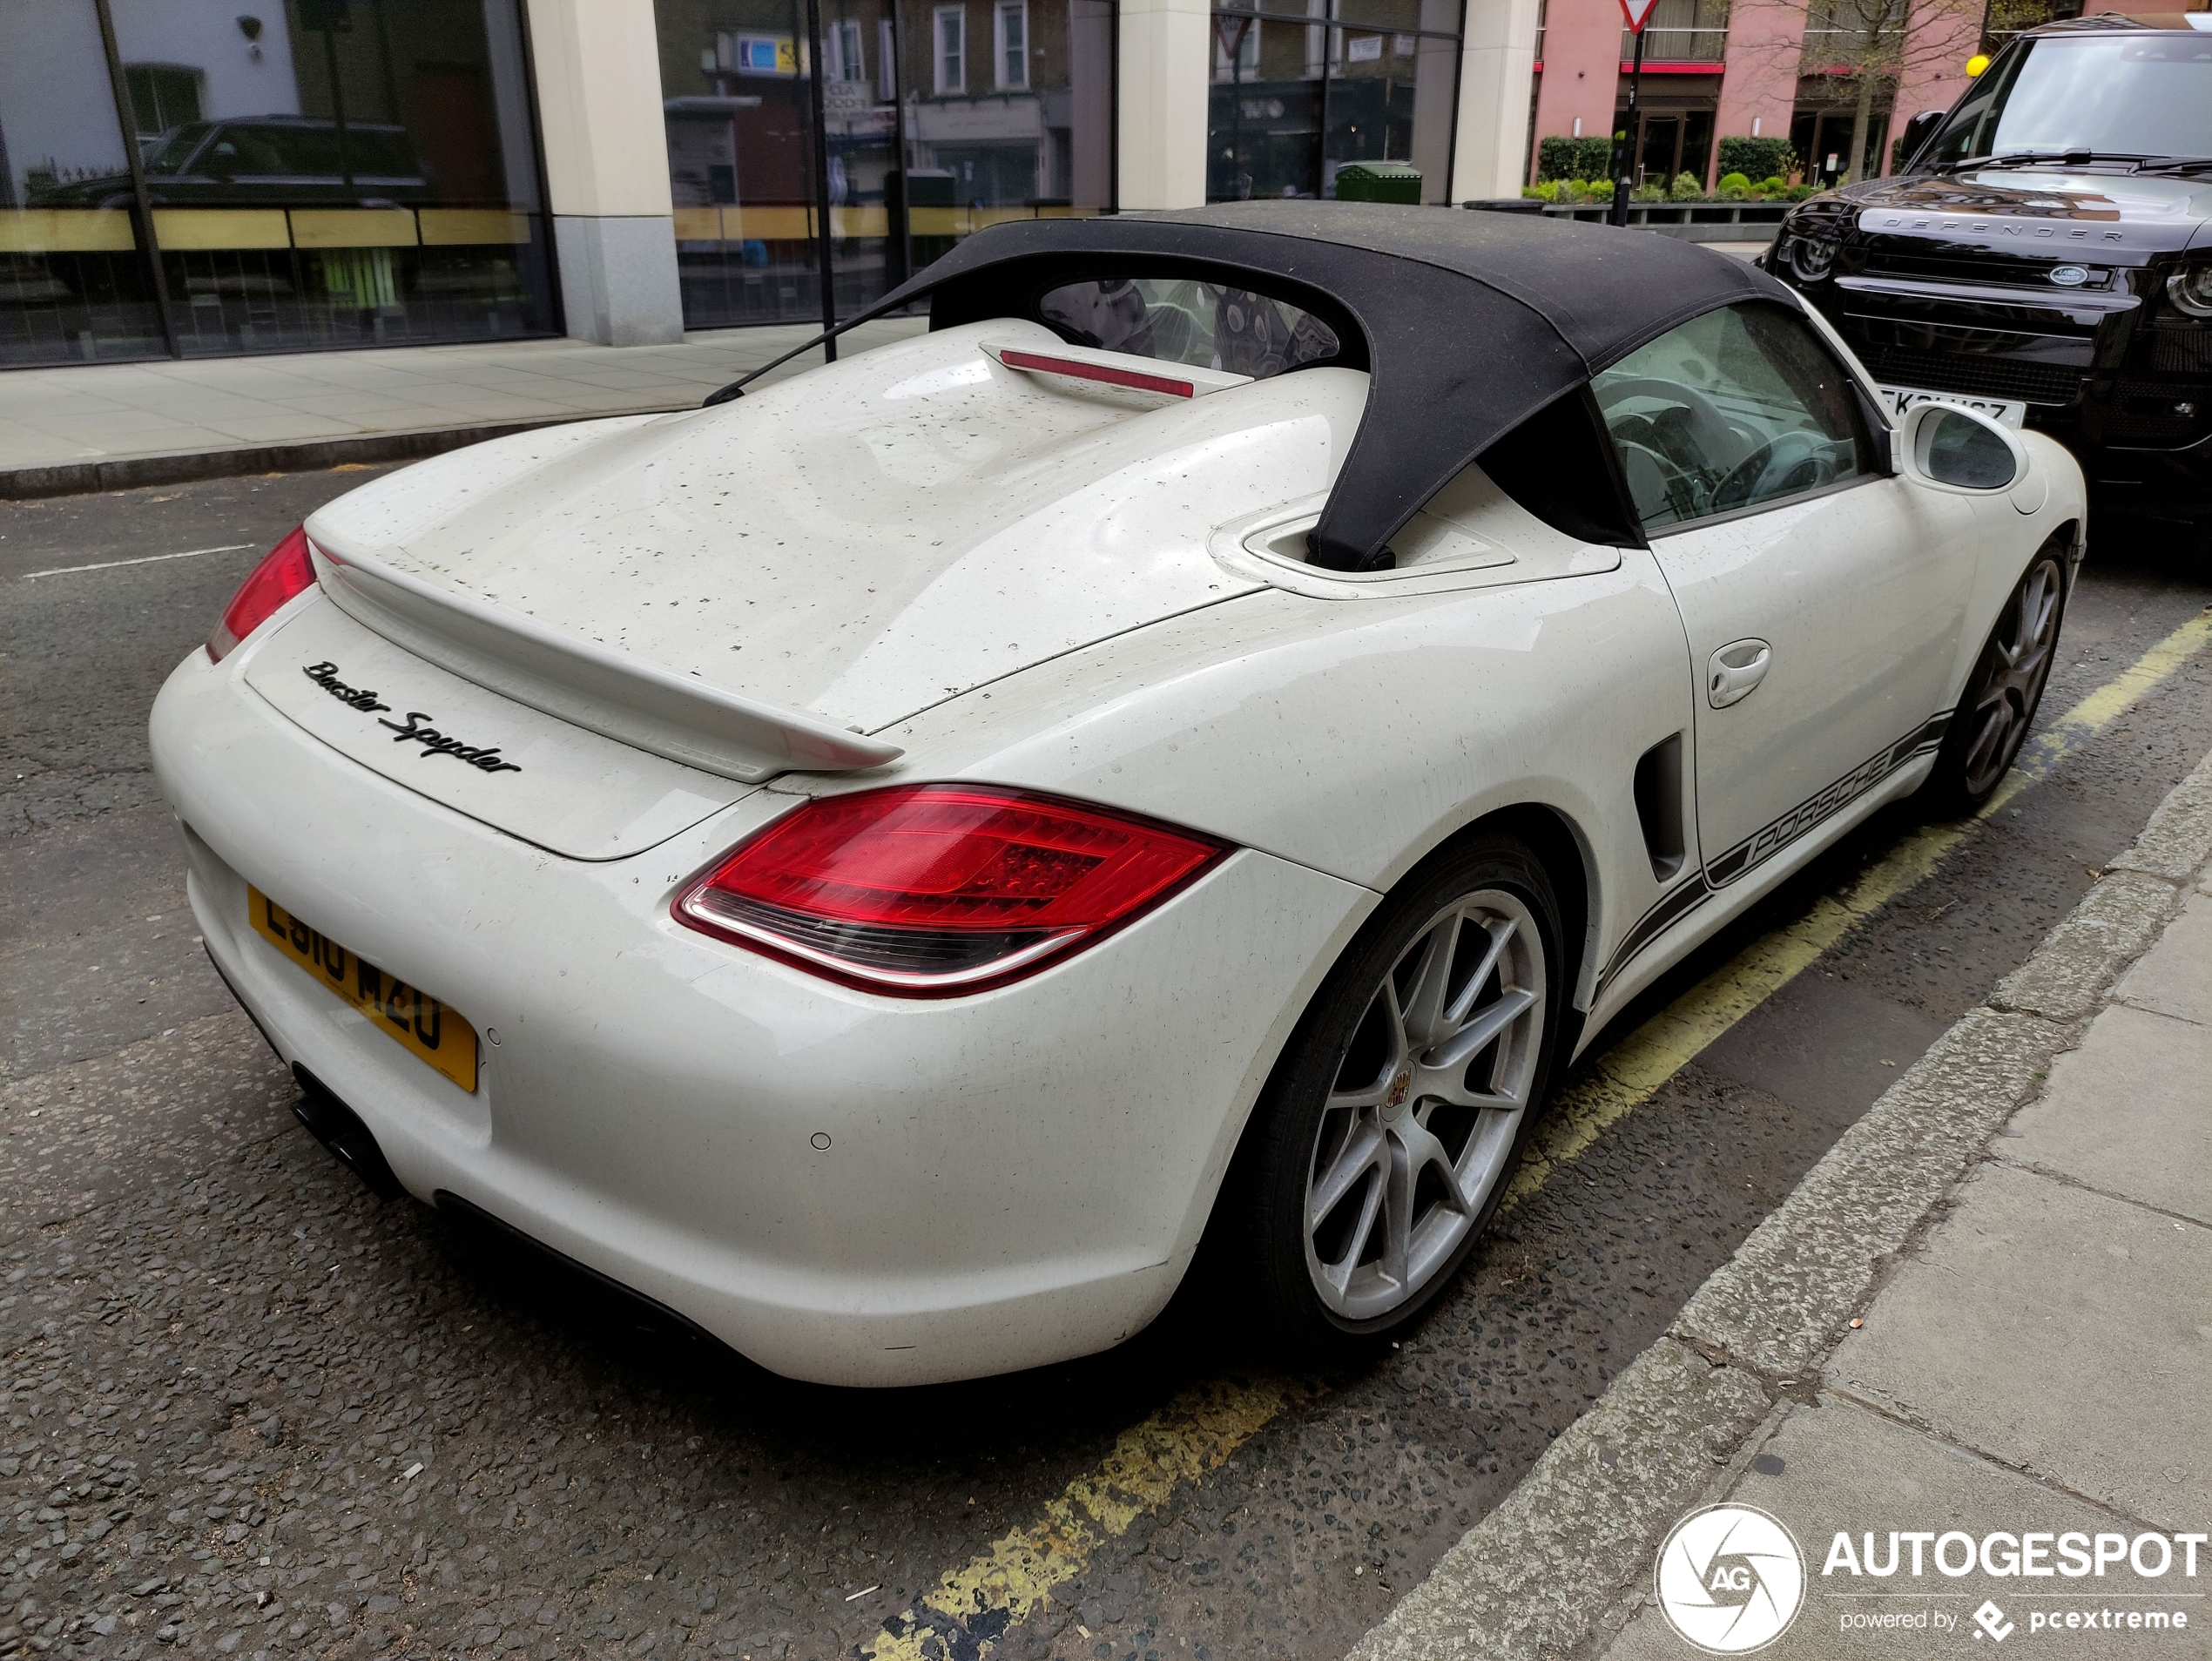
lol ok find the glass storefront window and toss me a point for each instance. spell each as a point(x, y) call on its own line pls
point(317, 173)
point(933, 119)
point(738, 88)
point(76, 284)
point(1300, 89)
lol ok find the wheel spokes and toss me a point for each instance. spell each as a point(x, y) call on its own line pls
point(1432, 981)
point(1501, 931)
point(1424, 1150)
point(1363, 1151)
point(1990, 740)
point(1339, 1273)
point(1393, 1188)
point(1472, 1038)
point(2010, 681)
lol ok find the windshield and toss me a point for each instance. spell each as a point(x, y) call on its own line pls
point(2119, 94)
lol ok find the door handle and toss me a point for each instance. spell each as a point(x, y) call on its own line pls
point(1735, 671)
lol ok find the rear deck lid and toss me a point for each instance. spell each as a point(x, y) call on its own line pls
point(548, 781)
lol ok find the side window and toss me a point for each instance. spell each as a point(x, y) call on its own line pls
point(1736, 408)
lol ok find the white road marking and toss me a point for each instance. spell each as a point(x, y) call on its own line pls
point(148, 559)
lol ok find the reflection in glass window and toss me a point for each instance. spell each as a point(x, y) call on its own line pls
point(951, 57)
point(1739, 407)
point(162, 96)
point(76, 280)
point(319, 174)
point(1207, 325)
point(971, 112)
point(846, 63)
point(1036, 141)
point(740, 119)
point(1012, 44)
point(1294, 101)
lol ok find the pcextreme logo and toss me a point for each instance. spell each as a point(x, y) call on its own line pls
point(1730, 1579)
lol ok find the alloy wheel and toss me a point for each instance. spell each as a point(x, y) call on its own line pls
point(2008, 684)
point(1420, 1120)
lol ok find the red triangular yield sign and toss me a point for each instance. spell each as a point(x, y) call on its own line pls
point(1638, 12)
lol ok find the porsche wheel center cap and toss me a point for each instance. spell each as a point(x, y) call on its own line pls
point(1400, 1087)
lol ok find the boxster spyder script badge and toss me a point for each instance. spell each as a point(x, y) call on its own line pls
point(417, 727)
point(1730, 1579)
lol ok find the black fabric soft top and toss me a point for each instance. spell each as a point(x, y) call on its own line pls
point(1472, 321)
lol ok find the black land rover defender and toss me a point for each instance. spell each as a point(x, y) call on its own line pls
point(2048, 254)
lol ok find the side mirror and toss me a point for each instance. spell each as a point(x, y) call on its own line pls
point(1918, 131)
point(1951, 447)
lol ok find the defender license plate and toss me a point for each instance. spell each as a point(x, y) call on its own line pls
point(408, 1016)
point(2011, 411)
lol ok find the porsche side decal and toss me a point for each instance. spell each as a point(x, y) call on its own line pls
point(1762, 845)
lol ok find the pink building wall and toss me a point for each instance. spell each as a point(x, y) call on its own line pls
point(1941, 37)
point(1765, 39)
point(1581, 69)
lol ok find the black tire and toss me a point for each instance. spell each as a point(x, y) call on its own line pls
point(1997, 705)
point(1268, 1276)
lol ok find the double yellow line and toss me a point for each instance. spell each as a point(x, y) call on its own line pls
point(972, 1606)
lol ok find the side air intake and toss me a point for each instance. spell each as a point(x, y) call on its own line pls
point(1659, 805)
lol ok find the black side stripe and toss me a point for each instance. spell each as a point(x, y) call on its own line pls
point(1671, 909)
point(1763, 844)
point(1769, 840)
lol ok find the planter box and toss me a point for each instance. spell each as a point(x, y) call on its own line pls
point(1689, 221)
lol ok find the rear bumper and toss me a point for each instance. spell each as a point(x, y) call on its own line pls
point(1009, 1179)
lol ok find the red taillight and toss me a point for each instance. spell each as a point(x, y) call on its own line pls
point(928, 889)
point(287, 570)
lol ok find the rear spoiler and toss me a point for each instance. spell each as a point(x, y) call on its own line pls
point(590, 686)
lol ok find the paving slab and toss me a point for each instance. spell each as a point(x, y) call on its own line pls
point(2174, 977)
point(2058, 1330)
point(1837, 1468)
point(2129, 1113)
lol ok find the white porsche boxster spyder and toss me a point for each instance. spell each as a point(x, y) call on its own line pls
point(891, 864)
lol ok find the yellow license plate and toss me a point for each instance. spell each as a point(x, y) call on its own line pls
point(402, 1012)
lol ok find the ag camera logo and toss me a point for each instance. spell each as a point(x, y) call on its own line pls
point(1730, 1579)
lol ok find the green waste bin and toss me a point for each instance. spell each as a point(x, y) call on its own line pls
point(1378, 181)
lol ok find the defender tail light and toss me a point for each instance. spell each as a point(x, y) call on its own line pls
point(929, 890)
point(287, 570)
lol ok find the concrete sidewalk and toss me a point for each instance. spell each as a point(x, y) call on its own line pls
point(1985, 1311)
point(106, 426)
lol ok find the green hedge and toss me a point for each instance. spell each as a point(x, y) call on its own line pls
point(1573, 158)
point(1758, 158)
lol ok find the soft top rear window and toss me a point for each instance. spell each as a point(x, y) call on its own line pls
point(1179, 320)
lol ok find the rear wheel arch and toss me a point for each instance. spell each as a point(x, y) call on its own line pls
point(1570, 862)
point(1569, 859)
point(1240, 1256)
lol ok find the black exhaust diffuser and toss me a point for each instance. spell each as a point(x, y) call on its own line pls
point(339, 1129)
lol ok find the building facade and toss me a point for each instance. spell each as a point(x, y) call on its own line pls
point(1798, 71)
point(186, 178)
